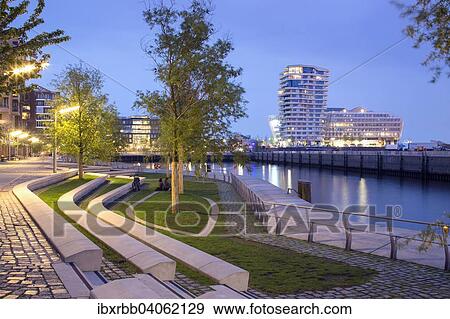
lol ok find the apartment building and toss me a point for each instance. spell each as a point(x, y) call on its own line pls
point(303, 99)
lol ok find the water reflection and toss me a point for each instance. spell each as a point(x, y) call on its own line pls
point(421, 201)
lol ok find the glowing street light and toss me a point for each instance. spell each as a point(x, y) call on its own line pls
point(34, 140)
point(69, 109)
point(23, 136)
point(27, 68)
point(15, 133)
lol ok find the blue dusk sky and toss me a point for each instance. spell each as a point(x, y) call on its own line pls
point(268, 35)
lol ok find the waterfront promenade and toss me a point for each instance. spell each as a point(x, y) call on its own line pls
point(27, 258)
point(291, 216)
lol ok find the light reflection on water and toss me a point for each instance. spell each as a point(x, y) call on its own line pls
point(427, 201)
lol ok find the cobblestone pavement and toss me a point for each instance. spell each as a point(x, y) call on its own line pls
point(395, 278)
point(25, 256)
point(113, 272)
point(194, 287)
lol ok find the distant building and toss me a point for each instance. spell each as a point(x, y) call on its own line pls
point(139, 131)
point(10, 112)
point(246, 142)
point(37, 109)
point(361, 127)
point(303, 98)
point(274, 124)
point(10, 108)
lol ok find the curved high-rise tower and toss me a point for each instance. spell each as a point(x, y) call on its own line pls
point(303, 98)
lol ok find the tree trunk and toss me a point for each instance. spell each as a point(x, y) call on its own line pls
point(174, 187)
point(80, 166)
point(180, 171)
point(168, 166)
point(180, 178)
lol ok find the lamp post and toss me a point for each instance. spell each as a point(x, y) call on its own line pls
point(55, 139)
point(19, 138)
point(13, 134)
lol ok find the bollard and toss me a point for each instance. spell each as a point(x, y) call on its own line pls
point(394, 245)
point(311, 232)
point(446, 252)
point(278, 226)
point(348, 233)
point(304, 190)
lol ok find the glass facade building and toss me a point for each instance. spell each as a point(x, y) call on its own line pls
point(303, 99)
point(139, 132)
point(361, 127)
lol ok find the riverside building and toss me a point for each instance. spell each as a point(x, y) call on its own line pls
point(303, 98)
point(139, 131)
point(361, 127)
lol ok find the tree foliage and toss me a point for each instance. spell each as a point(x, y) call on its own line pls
point(91, 132)
point(18, 47)
point(200, 96)
point(430, 24)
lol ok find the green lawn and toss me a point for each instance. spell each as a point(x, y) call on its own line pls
point(112, 184)
point(279, 271)
point(192, 216)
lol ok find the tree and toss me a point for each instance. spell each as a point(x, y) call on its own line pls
point(431, 25)
point(91, 131)
point(436, 233)
point(21, 55)
point(201, 97)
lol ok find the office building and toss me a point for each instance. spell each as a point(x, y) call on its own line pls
point(139, 131)
point(361, 127)
point(274, 124)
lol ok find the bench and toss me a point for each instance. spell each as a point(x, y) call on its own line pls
point(142, 256)
point(70, 243)
point(139, 287)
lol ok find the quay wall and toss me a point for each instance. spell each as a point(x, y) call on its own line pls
point(425, 165)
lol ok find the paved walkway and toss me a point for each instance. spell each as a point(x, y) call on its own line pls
point(25, 256)
point(395, 278)
point(329, 227)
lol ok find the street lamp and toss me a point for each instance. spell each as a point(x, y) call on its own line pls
point(27, 68)
point(12, 134)
point(20, 137)
point(55, 140)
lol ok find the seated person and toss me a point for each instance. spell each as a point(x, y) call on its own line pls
point(136, 183)
point(166, 184)
point(161, 185)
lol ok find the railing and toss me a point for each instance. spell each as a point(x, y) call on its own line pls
point(265, 209)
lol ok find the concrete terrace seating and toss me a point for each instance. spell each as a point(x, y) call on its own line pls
point(142, 256)
point(140, 287)
point(261, 195)
point(210, 266)
point(71, 244)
